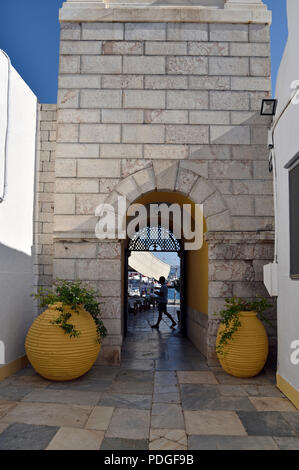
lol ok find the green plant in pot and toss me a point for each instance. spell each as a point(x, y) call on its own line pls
point(73, 294)
point(64, 341)
point(242, 342)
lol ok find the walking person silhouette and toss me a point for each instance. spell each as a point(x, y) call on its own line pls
point(162, 307)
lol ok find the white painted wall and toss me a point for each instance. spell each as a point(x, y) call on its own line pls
point(286, 145)
point(16, 211)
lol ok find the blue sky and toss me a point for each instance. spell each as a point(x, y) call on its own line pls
point(29, 34)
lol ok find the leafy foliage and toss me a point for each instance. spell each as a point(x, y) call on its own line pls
point(72, 294)
point(230, 317)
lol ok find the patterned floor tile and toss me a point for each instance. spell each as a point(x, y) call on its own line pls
point(165, 378)
point(133, 382)
point(265, 423)
point(168, 439)
point(137, 364)
point(82, 384)
point(100, 418)
point(231, 443)
point(50, 414)
point(227, 379)
point(5, 407)
point(232, 390)
point(173, 397)
point(208, 397)
point(262, 390)
point(196, 377)
point(143, 355)
point(182, 364)
point(287, 443)
point(14, 393)
point(76, 439)
point(134, 376)
point(3, 424)
point(272, 404)
point(214, 423)
point(28, 370)
point(143, 402)
point(20, 436)
point(124, 444)
point(75, 397)
point(197, 402)
point(194, 392)
point(167, 416)
point(292, 419)
point(28, 381)
point(99, 372)
point(129, 424)
point(164, 388)
point(138, 387)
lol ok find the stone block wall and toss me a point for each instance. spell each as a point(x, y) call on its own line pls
point(236, 263)
point(44, 200)
point(99, 265)
point(134, 93)
point(160, 99)
point(197, 325)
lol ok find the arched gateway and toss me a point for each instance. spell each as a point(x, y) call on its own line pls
point(161, 104)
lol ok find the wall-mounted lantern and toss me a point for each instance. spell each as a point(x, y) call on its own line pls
point(268, 107)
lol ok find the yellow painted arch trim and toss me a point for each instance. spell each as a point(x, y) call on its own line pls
point(197, 261)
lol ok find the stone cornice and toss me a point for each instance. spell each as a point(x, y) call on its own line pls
point(241, 4)
point(266, 236)
point(99, 12)
point(72, 236)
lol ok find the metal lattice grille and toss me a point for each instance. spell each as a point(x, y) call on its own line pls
point(154, 239)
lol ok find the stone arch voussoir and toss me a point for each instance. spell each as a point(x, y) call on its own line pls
point(186, 177)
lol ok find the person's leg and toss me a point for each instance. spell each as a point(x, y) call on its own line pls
point(156, 325)
point(169, 316)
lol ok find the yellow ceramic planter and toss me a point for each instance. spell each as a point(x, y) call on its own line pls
point(53, 353)
point(246, 353)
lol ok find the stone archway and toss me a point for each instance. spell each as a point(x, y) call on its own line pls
point(163, 131)
point(235, 258)
point(184, 178)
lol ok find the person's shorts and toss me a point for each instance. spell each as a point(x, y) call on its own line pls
point(162, 307)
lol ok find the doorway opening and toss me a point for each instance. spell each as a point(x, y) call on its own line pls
point(151, 253)
point(193, 267)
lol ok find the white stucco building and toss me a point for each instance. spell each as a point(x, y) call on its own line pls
point(285, 136)
point(18, 117)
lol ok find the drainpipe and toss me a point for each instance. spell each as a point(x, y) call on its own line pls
point(3, 157)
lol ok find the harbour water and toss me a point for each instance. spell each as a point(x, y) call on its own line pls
point(173, 294)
